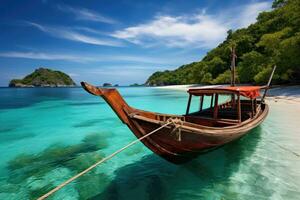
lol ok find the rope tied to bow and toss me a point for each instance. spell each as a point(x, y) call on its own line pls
point(177, 123)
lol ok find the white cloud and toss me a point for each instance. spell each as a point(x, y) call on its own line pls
point(73, 74)
point(66, 33)
point(250, 13)
point(200, 30)
point(80, 58)
point(38, 56)
point(85, 14)
point(180, 31)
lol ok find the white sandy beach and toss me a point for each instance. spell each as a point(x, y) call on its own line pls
point(279, 94)
point(185, 87)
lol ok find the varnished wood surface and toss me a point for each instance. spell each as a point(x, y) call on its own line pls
point(195, 137)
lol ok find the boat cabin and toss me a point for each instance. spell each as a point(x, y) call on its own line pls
point(223, 106)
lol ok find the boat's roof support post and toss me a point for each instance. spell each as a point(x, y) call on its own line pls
point(216, 107)
point(252, 108)
point(239, 108)
point(211, 100)
point(201, 102)
point(268, 85)
point(188, 105)
point(255, 106)
point(232, 100)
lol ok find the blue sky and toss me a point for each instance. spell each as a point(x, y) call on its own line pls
point(121, 42)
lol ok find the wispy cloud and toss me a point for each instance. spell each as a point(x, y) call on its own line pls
point(69, 34)
point(80, 58)
point(38, 56)
point(90, 30)
point(86, 14)
point(200, 30)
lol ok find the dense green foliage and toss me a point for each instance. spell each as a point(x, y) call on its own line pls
point(43, 77)
point(273, 39)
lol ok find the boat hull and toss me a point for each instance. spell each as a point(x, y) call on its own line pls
point(190, 142)
point(179, 141)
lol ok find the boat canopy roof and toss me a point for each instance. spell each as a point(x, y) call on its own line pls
point(251, 92)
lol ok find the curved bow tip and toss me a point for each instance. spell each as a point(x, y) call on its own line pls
point(91, 89)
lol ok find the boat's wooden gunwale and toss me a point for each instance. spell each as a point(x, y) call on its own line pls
point(137, 111)
point(207, 130)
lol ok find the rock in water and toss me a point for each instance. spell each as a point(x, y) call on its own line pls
point(43, 77)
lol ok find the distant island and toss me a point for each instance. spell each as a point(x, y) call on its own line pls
point(107, 85)
point(110, 85)
point(43, 77)
point(273, 40)
point(136, 85)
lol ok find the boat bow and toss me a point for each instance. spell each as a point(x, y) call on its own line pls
point(92, 89)
point(113, 98)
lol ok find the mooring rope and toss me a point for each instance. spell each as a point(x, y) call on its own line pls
point(169, 121)
point(177, 126)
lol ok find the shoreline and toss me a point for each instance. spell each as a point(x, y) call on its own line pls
point(288, 94)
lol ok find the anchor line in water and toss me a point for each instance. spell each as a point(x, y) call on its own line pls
point(169, 121)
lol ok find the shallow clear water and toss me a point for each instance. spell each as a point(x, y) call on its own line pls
point(48, 135)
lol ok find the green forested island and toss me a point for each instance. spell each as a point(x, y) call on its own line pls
point(273, 39)
point(43, 77)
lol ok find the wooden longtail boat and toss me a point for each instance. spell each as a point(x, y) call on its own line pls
point(209, 127)
point(194, 132)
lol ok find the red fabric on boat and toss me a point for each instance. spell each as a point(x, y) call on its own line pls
point(251, 92)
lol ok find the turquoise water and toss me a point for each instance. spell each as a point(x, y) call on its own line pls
point(48, 135)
